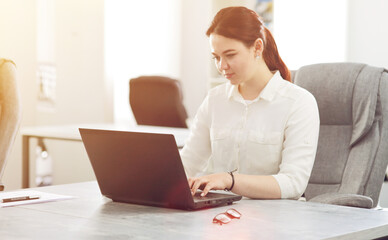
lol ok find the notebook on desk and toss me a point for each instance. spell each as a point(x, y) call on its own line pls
point(143, 168)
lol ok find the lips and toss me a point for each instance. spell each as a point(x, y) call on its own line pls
point(228, 75)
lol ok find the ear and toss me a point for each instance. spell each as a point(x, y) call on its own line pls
point(259, 46)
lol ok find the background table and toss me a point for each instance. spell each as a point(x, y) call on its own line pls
point(92, 216)
point(71, 133)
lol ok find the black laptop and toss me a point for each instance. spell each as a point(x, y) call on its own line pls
point(144, 168)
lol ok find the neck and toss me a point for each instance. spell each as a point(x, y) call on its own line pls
point(252, 88)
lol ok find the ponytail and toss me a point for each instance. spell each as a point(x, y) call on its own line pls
point(272, 58)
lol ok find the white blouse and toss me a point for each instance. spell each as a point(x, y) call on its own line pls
point(275, 134)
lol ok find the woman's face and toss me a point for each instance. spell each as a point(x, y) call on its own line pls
point(233, 59)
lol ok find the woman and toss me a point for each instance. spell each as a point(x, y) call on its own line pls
point(257, 134)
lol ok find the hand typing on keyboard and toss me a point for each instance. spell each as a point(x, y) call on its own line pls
point(218, 181)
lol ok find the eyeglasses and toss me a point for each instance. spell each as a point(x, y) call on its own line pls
point(226, 217)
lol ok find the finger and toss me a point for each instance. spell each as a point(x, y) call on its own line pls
point(190, 181)
point(208, 187)
point(198, 182)
point(195, 186)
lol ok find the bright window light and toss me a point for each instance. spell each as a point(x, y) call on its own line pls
point(141, 38)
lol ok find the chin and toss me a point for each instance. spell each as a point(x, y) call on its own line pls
point(234, 82)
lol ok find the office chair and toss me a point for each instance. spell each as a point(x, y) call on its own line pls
point(10, 111)
point(157, 101)
point(352, 152)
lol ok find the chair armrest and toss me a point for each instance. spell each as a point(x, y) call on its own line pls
point(350, 200)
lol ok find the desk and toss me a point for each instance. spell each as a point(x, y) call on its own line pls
point(71, 133)
point(92, 216)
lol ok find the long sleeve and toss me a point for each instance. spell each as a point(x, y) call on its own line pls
point(197, 150)
point(299, 147)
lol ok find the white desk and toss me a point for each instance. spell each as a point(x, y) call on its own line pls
point(71, 133)
point(91, 216)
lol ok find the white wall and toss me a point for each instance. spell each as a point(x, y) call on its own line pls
point(308, 32)
point(79, 59)
point(17, 42)
point(81, 95)
point(195, 52)
point(368, 32)
point(75, 46)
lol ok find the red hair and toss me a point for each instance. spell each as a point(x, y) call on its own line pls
point(245, 25)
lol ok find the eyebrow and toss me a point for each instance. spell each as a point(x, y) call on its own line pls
point(224, 52)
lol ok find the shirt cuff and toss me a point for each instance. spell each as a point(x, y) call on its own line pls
point(287, 190)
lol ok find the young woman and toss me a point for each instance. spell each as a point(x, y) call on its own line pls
point(257, 134)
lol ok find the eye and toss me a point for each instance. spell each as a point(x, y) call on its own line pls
point(230, 55)
point(216, 58)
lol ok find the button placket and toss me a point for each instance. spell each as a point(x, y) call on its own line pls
point(240, 134)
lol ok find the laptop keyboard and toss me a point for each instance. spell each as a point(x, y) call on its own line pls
point(208, 196)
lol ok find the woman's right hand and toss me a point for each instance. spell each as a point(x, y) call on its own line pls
point(218, 181)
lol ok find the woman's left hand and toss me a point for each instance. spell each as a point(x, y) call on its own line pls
point(218, 181)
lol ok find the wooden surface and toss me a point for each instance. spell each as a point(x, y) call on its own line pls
point(71, 133)
point(92, 216)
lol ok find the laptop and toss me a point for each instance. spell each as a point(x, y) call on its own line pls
point(144, 168)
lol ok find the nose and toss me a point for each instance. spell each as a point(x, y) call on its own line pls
point(223, 64)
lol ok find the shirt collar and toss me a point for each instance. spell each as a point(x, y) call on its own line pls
point(233, 92)
point(268, 92)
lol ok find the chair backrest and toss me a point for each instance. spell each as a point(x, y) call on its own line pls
point(352, 152)
point(157, 101)
point(10, 111)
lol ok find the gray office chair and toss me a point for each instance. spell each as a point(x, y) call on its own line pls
point(157, 101)
point(352, 152)
point(10, 111)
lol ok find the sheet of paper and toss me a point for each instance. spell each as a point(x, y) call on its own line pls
point(43, 197)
